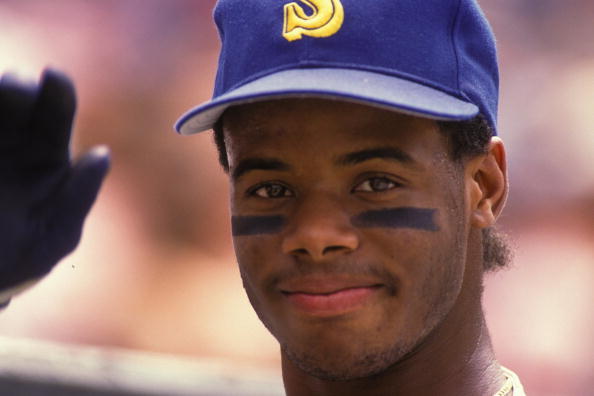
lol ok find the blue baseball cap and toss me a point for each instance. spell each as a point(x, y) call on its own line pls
point(430, 58)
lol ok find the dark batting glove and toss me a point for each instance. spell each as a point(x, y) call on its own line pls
point(44, 196)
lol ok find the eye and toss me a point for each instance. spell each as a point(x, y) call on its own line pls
point(271, 190)
point(376, 184)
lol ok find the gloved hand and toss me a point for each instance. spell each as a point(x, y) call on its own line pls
point(44, 197)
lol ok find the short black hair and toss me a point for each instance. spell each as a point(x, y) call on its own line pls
point(219, 140)
point(466, 139)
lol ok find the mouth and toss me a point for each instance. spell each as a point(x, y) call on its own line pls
point(330, 298)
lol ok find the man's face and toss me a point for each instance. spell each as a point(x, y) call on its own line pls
point(350, 230)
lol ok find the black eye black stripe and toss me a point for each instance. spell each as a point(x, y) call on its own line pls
point(256, 225)
point(404, 217)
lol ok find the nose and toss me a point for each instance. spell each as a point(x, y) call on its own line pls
point(319, 229)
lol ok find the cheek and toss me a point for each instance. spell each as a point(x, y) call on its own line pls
point(412, 255)
point(430, 267)
point(250, 256)
point(256, 258)
point(256, 261)
point(250, 260)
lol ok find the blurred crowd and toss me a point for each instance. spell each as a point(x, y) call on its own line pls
point(155, 269)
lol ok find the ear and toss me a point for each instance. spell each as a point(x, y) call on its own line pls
point(486, 185)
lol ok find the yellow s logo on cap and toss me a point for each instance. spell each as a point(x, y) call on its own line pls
point(326, 19)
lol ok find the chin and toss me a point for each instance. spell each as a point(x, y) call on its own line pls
point(346, 365)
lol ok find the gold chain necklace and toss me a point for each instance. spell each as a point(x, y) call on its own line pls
point(507, 386)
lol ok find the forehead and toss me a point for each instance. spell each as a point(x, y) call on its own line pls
point(323, 125)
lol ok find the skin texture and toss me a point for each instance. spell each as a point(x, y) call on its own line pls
point(419, 329)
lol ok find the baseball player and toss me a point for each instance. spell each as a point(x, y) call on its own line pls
point(360, 141)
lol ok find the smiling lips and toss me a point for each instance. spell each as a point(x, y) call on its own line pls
point(329, 298)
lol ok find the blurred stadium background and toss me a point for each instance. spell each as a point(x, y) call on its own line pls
point(155, 271)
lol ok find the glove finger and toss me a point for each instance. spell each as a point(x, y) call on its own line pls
point(16, 104)
point(74, 200)
point(52, 117)
point(54, 228)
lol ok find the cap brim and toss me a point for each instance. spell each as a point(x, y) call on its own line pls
point(357, 86)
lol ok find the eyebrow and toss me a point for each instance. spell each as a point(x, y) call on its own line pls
point(388, 153)
point(251, 164)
